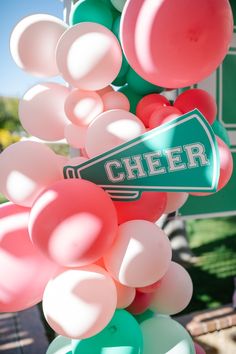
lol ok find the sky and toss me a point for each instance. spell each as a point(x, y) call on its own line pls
point(13, 81)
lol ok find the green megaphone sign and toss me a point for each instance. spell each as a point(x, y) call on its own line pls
point(179, 156)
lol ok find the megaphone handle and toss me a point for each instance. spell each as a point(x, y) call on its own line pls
point(120, 195)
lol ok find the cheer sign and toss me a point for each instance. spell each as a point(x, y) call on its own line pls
point(181, 155)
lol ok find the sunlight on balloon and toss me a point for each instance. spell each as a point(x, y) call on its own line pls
point(123, 129)
point(27, 185)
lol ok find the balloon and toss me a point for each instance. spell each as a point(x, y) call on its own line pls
point(24, 271)
point(60, 345)
point(162, 335)
point(103, 91)
point(150, 206)
point(221, 132)
point(175, 200)
point(82, 107)
point(33, 43)
point(89, 56)
point(27, 168)
point(91, 11)
point(75, 135)
point(175, 281)
point(200, 99)
point(148, 104)
point(144, 316)
point(199, 349)
point(75, 161)
point(110, 129)
point(140, 254)
point(85, 302)
point(173, 43)
point(140, 304)
point(62, 161)
point(83, 222)
point(115, 100)
point(118, 4)
point(41, 111)
point(132, 96)
point(139, 85)
point(163, 115)
point(125, 295)
point(121, 336)
point(150, 288)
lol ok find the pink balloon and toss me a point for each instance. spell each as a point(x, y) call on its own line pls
point(82, 107)
point(174, 292)
point(110, 129)
point(175, 200)
point(33, 43)
point(73, 222)
point(199, 349)
point(140, 254)
point(163, 115)
point(24, 271)
point(27, 168)
point(105, 90)
point(176, 43)
point(140, 304)
point(89, 56)
point(150, 288)
point(41, 111)
point(125, 295)
point(79, 303)
point(62, 161)
point(75, 161)
point(115, 100)
point(75, 135)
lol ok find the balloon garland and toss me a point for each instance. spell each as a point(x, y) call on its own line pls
point(99, 264)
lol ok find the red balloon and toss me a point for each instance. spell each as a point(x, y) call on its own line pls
point(199, 349)
point(150, 207)
point(163, 115)
point(148, 104)
point(140, 304)
point(150, 288)
point(200, 99)
point(73, 222)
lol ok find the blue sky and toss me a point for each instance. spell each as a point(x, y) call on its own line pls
point(13, 81)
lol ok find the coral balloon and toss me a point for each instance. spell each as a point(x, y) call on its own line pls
point(199, 349)
point(115, 100)
point(180, 44)
point(110, 129)
point(150, 206)
point(33, 43)
point(163, 115)
point(20, 262)
point(83, 222)
point(175, 200)
point(148, 104)
point(150, 288)
point(140, 254)
point(125, 295)
point(82, 107)
point(105, 90)
point(41, 111)
point(75, 135)
point(85, 302)
point(178, 282)
point(27, 168)
point(89, 56)
point(140, 304)
point(200, 99)
point(60, 345)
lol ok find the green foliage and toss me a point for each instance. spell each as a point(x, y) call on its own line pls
point(9, 114)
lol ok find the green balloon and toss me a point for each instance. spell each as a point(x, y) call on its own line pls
point(132, 96)
point(92, 11)
point(116, 27)
point(221, 132)
point(121, 336)
point(144, 316)
point(163, 335)
point(141, 86)
point(60, 345)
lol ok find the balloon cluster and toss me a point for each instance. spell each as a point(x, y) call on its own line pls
point(97, 264)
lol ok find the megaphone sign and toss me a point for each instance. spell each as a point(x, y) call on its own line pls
point(179, 156)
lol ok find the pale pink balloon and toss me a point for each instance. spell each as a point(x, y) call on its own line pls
point(105, 90)
point(75, 161)
point(79, 303)
point(82, 107)
point(159, 38)
point(89, 56)
point(125, 295)
point(110, 129)
point(62, 161)
point(27, 168)
point(24, 271)
point(174, 292)
point(75, 135)
point(140, 254)
point(199, 349)
point(41, 111)
point(115, 100)
point(175, 200)
point(33, 43)
point(77, 220)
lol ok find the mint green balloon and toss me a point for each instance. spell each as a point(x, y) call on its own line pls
point(141, 86)
point(60, 345)
point(132, 96)
point(221, 132)
point(144, 316)
point(118, 4)
point(92, 11)
point(163, 335)
point(121, 336)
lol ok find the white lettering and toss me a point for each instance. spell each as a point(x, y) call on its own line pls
point(196, 154)
point(154, 163)
point(174, 159)
point(110, 173)
point(134, 164)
